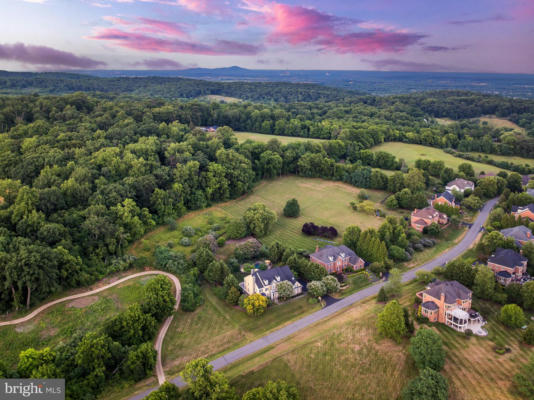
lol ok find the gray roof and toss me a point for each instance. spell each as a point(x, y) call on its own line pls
point(525, 179)
point(461, 183)
point(265, 278)
point(430, 305)
point(330, 253)
point(530, 192)
point(528, 206)
point(504, 274)
point(447, 195)
point(507, 257)
point(519, 232)
point(453, 290)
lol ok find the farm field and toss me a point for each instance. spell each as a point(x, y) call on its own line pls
point(497, 122)
point(264, 138)
point(332, 359)
point(512, 159)
point(322, 202)
point(222, 99)
point(60, 322)
point(411, 152)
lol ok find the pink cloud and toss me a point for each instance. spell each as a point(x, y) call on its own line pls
point(204, 6)
point(144, 42)
point(392, 64)
point(162, 27)
point(161, 63)
point(45, 56)
point(298, 25)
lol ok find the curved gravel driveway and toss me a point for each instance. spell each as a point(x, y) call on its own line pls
point(304, 322)
point(161, 334)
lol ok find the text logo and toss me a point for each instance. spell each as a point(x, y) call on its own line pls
point(33, 389)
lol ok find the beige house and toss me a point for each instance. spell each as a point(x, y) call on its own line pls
point(265, 282)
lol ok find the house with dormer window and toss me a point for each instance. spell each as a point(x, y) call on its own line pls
point(265, 282)
point(336, 258)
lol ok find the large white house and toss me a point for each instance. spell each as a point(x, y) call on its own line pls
point(265, 282)
point(459, 185)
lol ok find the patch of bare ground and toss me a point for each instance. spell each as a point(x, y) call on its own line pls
point(25, 327)
point(48, 332)
point(82, 302)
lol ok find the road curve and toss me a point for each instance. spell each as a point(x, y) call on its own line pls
point(310, 319)
point(161, 334)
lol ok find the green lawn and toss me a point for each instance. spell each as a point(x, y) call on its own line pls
point(473, 368)
point(341, 357)
point(264, 138)
point(448, 238)
point(322, 202)
point(411, 152)
point(58, 323)
point(512, 159)
point(216, 328)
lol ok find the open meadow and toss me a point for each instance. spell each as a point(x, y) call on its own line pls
point(411, 152)
point(322, 202)
point(60, 322)
point(264, 138)
point(343, 358)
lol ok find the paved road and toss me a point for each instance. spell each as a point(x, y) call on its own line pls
point(304, 322)
point(161, 334)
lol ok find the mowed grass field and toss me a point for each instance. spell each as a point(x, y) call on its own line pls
point(497, 122)
point(344, 358)
point(264, 138)
point(411, 152)
point(322, 202)
point(60, 322)
point(512, 159)
point(217, 327)
point(339, 358)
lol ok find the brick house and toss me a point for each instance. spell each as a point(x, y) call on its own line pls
point(459, 185)
point(524, 211)
point(507, 265)
point(446, 198)
point(336, 258)
point(265, 282)
point(521, 234)
point(449, 302)
point(420, 219)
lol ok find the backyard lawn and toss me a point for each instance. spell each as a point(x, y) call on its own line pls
point(322, 202)
point(411, 152)
point(264, 138)
point(58, 323)
point(343, 358)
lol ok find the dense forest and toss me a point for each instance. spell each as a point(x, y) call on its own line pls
point(168, 88)
point(82, 177)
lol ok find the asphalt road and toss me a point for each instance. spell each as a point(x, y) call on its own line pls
point(304, 322)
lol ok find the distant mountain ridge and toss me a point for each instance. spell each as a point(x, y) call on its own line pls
point(373, 82)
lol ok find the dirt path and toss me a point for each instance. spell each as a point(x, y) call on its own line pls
point(161, 334)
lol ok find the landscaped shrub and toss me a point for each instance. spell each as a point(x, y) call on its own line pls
point(188, 231)
point(316, 289)
point(236, 229)
point(427, 350)
point(171, 222)
point(310, 229)
point(512, 316)
point(528, 334)
point(292, 209)
point(255, 304)
point(391, 323)
point(247, 251)
point(185, 241)
point(331, 284)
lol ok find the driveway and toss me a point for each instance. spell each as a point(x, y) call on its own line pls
point(308, 320)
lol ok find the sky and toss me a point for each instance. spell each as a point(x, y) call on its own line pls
point(387, 35)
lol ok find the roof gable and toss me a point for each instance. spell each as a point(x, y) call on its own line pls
point(461, 183)
point(278, 274)
point(330, 254)
point(507, 257)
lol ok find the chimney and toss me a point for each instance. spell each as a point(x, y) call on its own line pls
point(316, 248)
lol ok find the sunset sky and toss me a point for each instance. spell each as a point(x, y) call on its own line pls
point(396, 35)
